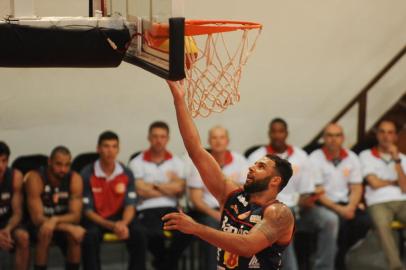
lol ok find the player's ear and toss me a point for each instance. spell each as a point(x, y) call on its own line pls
point(275, 181)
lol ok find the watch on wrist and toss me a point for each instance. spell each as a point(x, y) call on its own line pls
point(397, 160)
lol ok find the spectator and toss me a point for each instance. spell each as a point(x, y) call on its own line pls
point(300, 195)
point(159, 183)
point(235, 167)
point(109, 200)
point(384, 170)
point(339, 172)
point(54, 198)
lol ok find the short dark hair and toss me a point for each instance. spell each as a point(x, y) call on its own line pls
point(395, 124)
point(59, 149)
point(4, 149)
point(278, 120)
point(283, 168)
point(107, 135)
point(158, 124)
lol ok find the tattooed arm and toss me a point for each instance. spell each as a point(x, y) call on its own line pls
point(276, 227)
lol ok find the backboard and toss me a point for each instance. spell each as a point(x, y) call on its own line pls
point(157, 33)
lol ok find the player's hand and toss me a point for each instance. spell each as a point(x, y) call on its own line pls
point(47, 228)
point(121, 230)
point(77, 232)
point(177, 88)
point(6, 242)
point(179, 221)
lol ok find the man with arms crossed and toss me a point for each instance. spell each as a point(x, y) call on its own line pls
point(338, 171)
point(384, 169)
point(54, 197)
point(11, 204)
point(255, 228)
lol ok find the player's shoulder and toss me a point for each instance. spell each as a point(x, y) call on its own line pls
point(137, 159)
point(351, 155)
point(366, 154)
point(278, 212)
point(316, 154)
point(299, 152)
point(237, 156)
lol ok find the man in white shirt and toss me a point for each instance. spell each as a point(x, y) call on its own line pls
point(300, 195)
point(338, 171)
point(235, 167)
point(384, 169)
point(159, 183)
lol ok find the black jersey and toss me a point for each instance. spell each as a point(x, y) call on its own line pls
point(239, 216)
point(55, 200)
point(6, 193)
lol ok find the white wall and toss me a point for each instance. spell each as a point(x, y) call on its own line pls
point(312, 58)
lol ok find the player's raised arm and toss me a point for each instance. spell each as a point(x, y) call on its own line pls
point(208, 168)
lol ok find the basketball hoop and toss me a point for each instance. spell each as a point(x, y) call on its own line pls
point(213, 66)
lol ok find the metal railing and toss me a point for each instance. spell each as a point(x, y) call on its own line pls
point(361, 100)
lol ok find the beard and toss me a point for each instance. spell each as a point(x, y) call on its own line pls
point(257, 185)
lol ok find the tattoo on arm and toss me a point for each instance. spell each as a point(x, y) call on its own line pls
point(277, 221)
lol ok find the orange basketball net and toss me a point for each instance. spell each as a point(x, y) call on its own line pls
point(214, 59)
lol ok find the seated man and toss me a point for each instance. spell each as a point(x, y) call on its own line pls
point(300, 195)
point(159, 183)
point(384, 168)
point(109, 200)
point(235, 167)
point(12, 237)
point(339, 172)
point(54, 198)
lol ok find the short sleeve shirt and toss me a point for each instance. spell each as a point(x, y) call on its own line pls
point(372, 162)
point(107, 195)
point(336, 175)
point(144, 168)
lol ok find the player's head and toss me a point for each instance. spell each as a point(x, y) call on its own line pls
point(278, 132)
point(386, 133)
point(59, 162)
point(269, 171)
point(4, 157)
point(158, 136)
point(218, 139)
point(333, 137)
point(108, 146)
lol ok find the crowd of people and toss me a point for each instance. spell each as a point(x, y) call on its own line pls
point(333, 192)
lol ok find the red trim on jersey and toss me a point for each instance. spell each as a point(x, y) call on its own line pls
point(270, 150)
point(375, 152)
point(148, 155)
point(228, 159)
point(109, 196)
point(343, 154)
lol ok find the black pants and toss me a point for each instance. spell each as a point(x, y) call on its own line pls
point(136, 246)
point(350, 232)
point(166, 247)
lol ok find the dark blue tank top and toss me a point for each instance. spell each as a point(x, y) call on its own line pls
point(6, 193)
point(239, 216)
point(55, 200)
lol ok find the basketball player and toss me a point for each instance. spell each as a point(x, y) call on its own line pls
point(255, 227)
point(12, 236)
point(54, 197)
